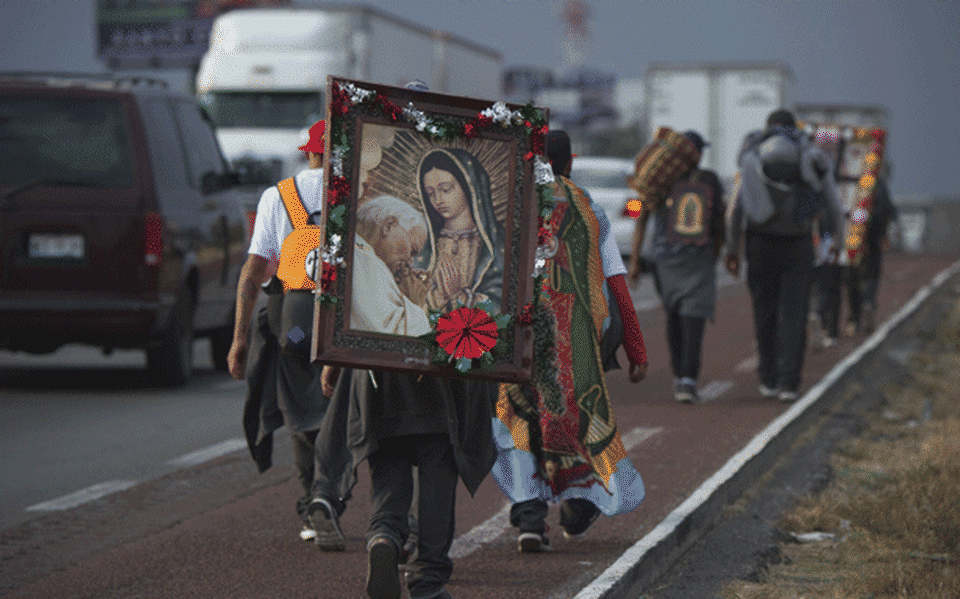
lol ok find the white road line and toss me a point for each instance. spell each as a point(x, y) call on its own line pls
point(481, 534)
point(497, 524)
point(714, 389)
point(600, 586)
point(203, 455)
point(82, 496)
point(638, 435)
point(748, 365)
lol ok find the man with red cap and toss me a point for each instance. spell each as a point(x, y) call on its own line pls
point(283, 388)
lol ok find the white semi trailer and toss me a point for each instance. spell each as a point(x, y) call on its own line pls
point(723, 101)
point(264, 76)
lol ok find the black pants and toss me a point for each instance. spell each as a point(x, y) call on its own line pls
point(685, 339)
point(304, 456)
point(834, 283)
point(779, 274)
point(391, 476)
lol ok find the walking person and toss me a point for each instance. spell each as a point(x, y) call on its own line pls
point(284, 389)
point(689, 233)
point(419, 434)
point(882, 214)
point(786, 182)
point(557, 439)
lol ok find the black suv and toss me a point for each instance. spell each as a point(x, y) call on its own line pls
point(121, 225)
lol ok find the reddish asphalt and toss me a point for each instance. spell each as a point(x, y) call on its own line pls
point(222, 530)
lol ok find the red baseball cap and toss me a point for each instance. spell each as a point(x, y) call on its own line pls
point(315, 141)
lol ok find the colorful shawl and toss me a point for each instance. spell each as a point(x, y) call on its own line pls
point(566, 444)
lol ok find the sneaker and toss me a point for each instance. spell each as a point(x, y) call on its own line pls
point(687, 393)
point(326, 525)
point(787, 396)
point(576, 516)
point(307, 533)
point(767, 391)
point(383, 576)
point(533, 542)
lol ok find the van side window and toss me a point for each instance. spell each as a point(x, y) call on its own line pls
point(203, 152)
point(166, 154)
point(84, 139)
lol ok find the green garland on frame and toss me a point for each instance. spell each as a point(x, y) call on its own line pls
point(528, 120)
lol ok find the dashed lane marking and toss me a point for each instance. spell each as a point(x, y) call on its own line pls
point(714, 389)
point(99, 490)
point(82, 496)
point(208, 453)
point(638, 435)
point(497, 524)
point(748, 365)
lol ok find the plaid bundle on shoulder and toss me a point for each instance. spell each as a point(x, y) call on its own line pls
point(661, 164)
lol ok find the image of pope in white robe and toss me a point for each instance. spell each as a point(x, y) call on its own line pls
point(377, 304)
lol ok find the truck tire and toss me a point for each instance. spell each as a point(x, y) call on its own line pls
point(170, 359)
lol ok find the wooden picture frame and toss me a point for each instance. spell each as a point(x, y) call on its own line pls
point(432, 206)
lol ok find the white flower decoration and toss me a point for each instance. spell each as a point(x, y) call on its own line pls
point(542, 171)
point(356, 94)
point(336, 164)
point(499, 113)
point(331, 252)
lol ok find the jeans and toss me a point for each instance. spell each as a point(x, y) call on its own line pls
point(779, 274)
point(391, 475)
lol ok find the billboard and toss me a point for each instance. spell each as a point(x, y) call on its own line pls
point(136, 34)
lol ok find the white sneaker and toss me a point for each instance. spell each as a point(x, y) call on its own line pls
point(307, 533)
point(788, 396)
point(767, 391)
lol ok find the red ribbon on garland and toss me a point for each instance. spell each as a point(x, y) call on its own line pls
point(339, 191)
point(328, 277)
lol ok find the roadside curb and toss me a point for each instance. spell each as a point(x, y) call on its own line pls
point(652, 556)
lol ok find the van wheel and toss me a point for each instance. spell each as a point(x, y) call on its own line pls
point(220, 342)
point(170, 360)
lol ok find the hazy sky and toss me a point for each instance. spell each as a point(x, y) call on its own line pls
point(904, 55)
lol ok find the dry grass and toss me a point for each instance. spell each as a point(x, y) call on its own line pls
point(894, 504)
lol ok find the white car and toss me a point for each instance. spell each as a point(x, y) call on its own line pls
point(605, 179)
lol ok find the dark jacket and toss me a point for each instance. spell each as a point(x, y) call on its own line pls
point(361, 414)
point(281, 390)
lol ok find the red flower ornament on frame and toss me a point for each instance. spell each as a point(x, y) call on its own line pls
point(466, 333)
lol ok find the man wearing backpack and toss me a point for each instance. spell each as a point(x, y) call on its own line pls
point(786, 181)
point(688, 237)
point(284, 388)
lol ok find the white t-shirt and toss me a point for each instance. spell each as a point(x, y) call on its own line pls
point(609, 252)
point(273, 224)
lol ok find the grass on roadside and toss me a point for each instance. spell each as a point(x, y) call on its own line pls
point(893, 507)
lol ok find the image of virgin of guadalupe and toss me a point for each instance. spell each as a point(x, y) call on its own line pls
point(463, 259)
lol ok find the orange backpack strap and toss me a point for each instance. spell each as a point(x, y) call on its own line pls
point(293, 203)
point(296, 250)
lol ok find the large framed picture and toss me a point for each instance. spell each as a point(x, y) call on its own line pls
point(431, 232)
